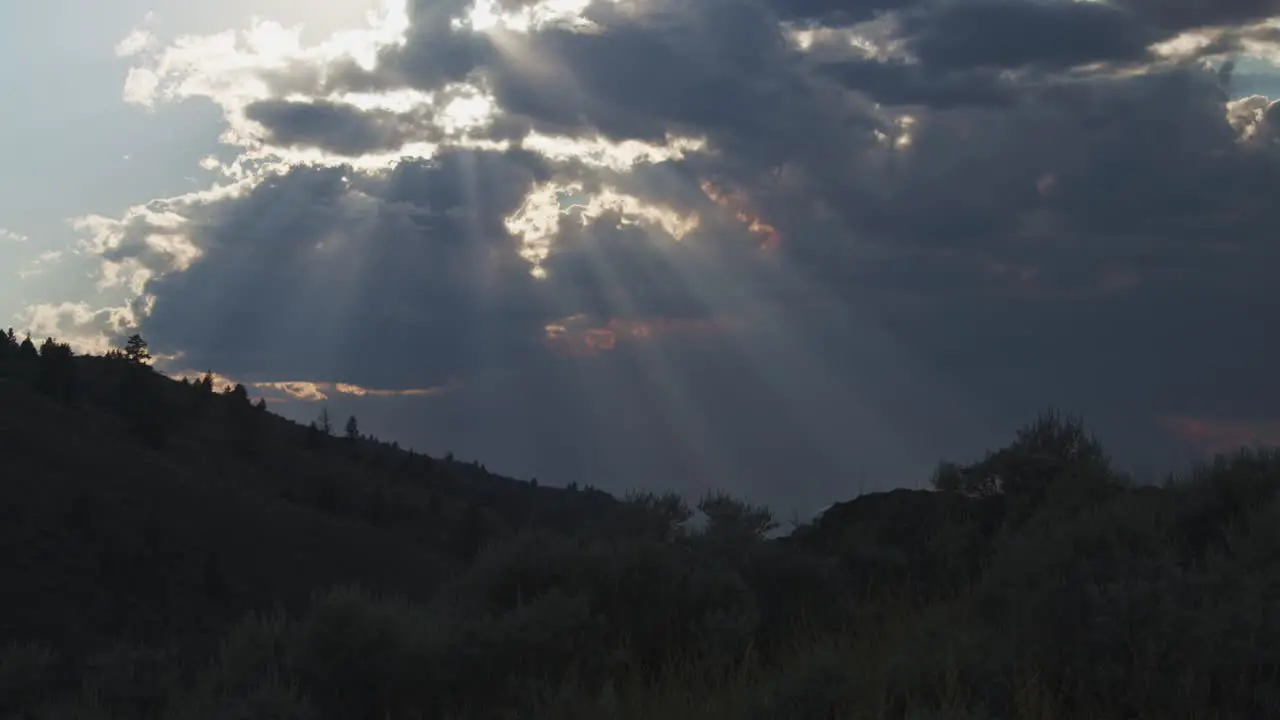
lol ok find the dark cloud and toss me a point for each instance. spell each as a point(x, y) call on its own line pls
point(829, 12)
point(895, 258)
point(435, 53)
point(1179, 15)
point(896, 82)
point(1084, 227)
point(1232, 41)
point(1017, 33)
point(338, 128)
point(720, 68)
point(326, 274)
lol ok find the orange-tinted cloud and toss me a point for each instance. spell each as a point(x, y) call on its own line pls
point(580, 335)
point(220, 382)
point(1221, 435)
point(348, 389)
point(304, 391)
point(737, 203)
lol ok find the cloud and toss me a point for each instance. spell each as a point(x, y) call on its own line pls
point(301, 391)
point(1017, 34)
point(313, 392)
point(835, 12)
point(1256, 119)
point(444, 252)
point(1224, 435)
point(358, 391)
point(12, 236)
point(895, 82)
point(1190, 14)
point(85, 328)
point(304, 391)
point(577, 335)
point(38, 265)
point(890, 226)
point(342, 129)
point(135, 43)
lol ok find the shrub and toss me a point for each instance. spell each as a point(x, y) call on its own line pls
point(657, 600)
point(26, 677)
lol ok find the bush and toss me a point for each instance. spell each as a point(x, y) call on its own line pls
point(359, 656)
point(248, 677)
point(795, 592)
point(819, 685)
point(658, 601)
point(27, 678)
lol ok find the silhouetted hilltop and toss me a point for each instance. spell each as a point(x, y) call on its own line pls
point(168, 551)
point(117, 539)
point(120, 477)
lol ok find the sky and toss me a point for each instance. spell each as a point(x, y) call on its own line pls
point(794, 250)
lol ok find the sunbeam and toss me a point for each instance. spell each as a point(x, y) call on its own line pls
point(688, 427)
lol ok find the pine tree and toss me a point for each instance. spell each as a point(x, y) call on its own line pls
point(145, 405)
point(238, 393)
point(26, 364)
point(135, 349)
point(57, 370)
point(8, 352)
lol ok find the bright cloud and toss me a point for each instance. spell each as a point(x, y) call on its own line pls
point(135, 43)
point(85, 328)
point(304, 391)
point(234, 68)
point(603, 153)
point(488, 16)
point(538, 220)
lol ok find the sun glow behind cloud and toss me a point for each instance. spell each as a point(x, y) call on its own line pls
point(1253, 119)
point(601, 152)
point(1257, 40)
point(538, 220)
point(232, 68)
point(739, 205)
point(865, 40)
point(236, 69)
point(487, 16)
point(578, 335)
point(470, 109)
point(86, 329)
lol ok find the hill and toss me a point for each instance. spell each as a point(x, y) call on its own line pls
point(168, 551)
point(134, 475)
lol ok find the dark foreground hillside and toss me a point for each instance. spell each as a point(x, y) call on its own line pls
point(168, 551)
